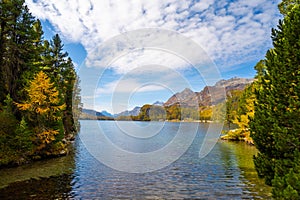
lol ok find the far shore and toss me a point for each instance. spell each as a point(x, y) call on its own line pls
point(174, 120)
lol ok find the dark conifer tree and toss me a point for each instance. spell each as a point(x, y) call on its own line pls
point(275, 127)
point(63, 73)
point(20, 38)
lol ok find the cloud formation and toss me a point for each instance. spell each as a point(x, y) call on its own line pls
point(127, 86)
point(231, 32)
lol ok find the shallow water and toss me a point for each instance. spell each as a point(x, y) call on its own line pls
point(227, 172)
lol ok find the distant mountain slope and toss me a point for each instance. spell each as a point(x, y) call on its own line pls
point(133, 112)
point(94, 115)
point(107, 114)
point(188, 98)
point(92, 112)
point(158, 103)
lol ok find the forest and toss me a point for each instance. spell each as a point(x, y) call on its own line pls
point(37, 85)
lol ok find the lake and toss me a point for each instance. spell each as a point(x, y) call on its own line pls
point(227, 172)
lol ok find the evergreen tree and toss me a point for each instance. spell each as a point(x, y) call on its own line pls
point(260, 68)
point(69, 90)
point(157, 113)
point(286, 5)
point(275, 127)
point(63, 73)
point(19, 41)
point(76, 104)
point(219, 112)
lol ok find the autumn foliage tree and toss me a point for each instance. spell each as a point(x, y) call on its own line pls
point(240, 111)
point(232, 105)
point(44, 111)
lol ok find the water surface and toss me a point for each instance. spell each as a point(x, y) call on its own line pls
point(227, 172)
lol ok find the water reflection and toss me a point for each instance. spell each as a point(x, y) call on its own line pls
point(243, 155)
point(47, 179)
point(58, 187)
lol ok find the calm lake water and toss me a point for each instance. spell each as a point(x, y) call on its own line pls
point(227, 172)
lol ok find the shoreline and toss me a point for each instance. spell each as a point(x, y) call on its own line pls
point(186, 121)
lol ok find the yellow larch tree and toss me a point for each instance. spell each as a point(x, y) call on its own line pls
point(44, 111)
point(243, 121)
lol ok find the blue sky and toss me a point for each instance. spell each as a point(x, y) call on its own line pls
point(232, 36)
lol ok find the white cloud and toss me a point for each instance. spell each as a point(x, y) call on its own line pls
point(127, 86)
point(231, 32)
point(144, 79)
point(138, 59)
point(202, 5)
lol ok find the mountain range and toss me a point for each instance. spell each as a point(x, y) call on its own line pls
point(210, 95)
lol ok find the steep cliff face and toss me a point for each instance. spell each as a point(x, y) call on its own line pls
point(210, 95)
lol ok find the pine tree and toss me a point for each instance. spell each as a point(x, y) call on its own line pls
point(61, 70)
point(76, 104)
point(260, 68)
point(68, 88)
point(19, 41)
point(286, 5)
point(275, 127)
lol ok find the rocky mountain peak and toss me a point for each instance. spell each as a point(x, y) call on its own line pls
point(233, 81)
point(187, 91)
point(204, 98)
